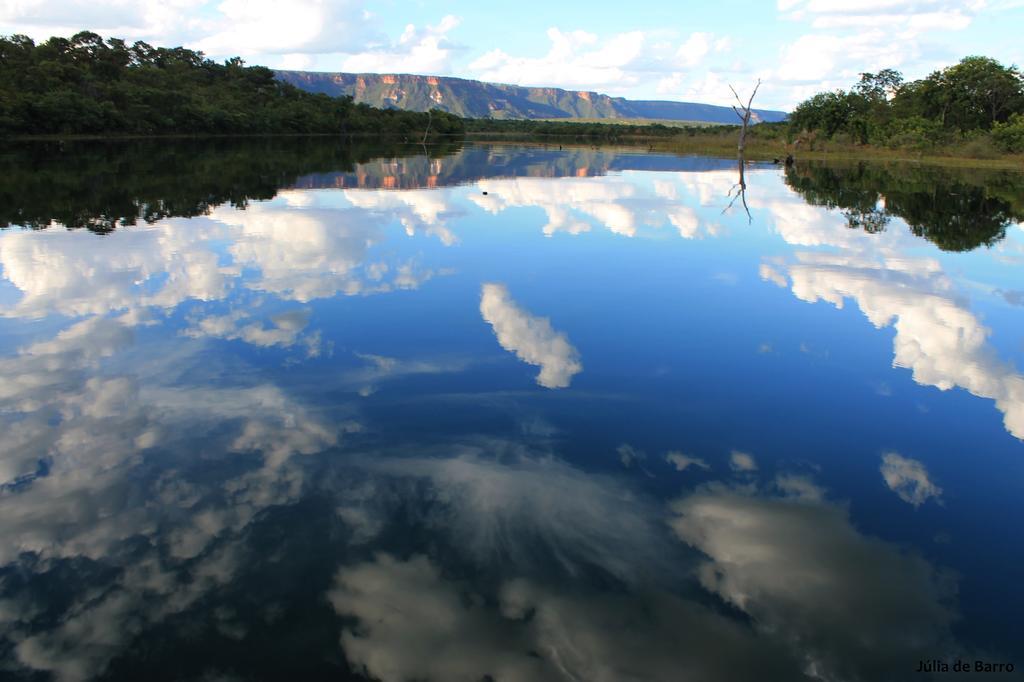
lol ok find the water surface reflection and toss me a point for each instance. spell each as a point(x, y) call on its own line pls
point(504, 413)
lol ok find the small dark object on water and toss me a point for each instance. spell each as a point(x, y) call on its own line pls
point(485, 193)
point(775, 160)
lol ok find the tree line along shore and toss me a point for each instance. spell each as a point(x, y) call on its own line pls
point(86, 85)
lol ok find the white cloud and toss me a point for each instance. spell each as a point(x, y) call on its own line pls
point(848, 38)
point(425, 51)
point(576, 59)
point(531, 338)
point(909, 479)
point(696, 47)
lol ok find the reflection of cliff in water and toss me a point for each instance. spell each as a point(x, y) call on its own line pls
point(104, 185)
point(479, 162)
point(956, 209)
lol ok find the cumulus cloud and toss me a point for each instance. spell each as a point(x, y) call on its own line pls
point(531, 338)
point(844, 39)
point(909, 479)
point(265, 26)
point(426, 51)
point(575, 59)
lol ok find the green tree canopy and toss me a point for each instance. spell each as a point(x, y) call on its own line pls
point(976, 94)
point(85, 84)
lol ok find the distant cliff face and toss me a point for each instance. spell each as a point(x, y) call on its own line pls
point(477, 99)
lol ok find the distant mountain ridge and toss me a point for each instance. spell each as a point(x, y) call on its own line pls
point(477, 99)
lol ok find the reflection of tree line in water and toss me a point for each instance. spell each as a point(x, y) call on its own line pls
point(103, 185)
point(956, 209)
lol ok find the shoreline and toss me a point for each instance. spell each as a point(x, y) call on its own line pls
point(690, 145)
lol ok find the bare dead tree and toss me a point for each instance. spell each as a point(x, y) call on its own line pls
point(430, 119)
point(744, 112)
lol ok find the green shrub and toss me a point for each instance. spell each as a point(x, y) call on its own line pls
point(1009, 136)
point(916, 133)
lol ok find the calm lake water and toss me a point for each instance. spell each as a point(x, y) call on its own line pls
point(286, 410)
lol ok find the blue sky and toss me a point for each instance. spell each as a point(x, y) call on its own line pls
point(654, 50)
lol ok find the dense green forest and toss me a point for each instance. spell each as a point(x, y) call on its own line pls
point(588, 131)
point(85, 84)
point(977, 104)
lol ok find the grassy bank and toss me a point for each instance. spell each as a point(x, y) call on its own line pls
point(768, 149)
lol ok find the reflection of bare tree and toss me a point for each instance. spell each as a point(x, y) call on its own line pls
point(740, 189)
point(744, 112)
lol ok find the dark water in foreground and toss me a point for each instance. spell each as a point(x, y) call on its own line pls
point(286, 411)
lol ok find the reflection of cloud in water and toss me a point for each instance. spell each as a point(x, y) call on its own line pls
point(513, 512)
point(159, 539)
point(852, 607)
point(682, 462)
point(742, 461)
point(285, 330)
point(309, 254)
point(415, 624)
point(382, 368)
point(424, 210)
point(909, 479)
point(296, 253)
point(937, 337)
point(618, 203)
point(97, 628)
point(76, 273)
point(942, 343)
point(531, 338)
point(821, 597)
